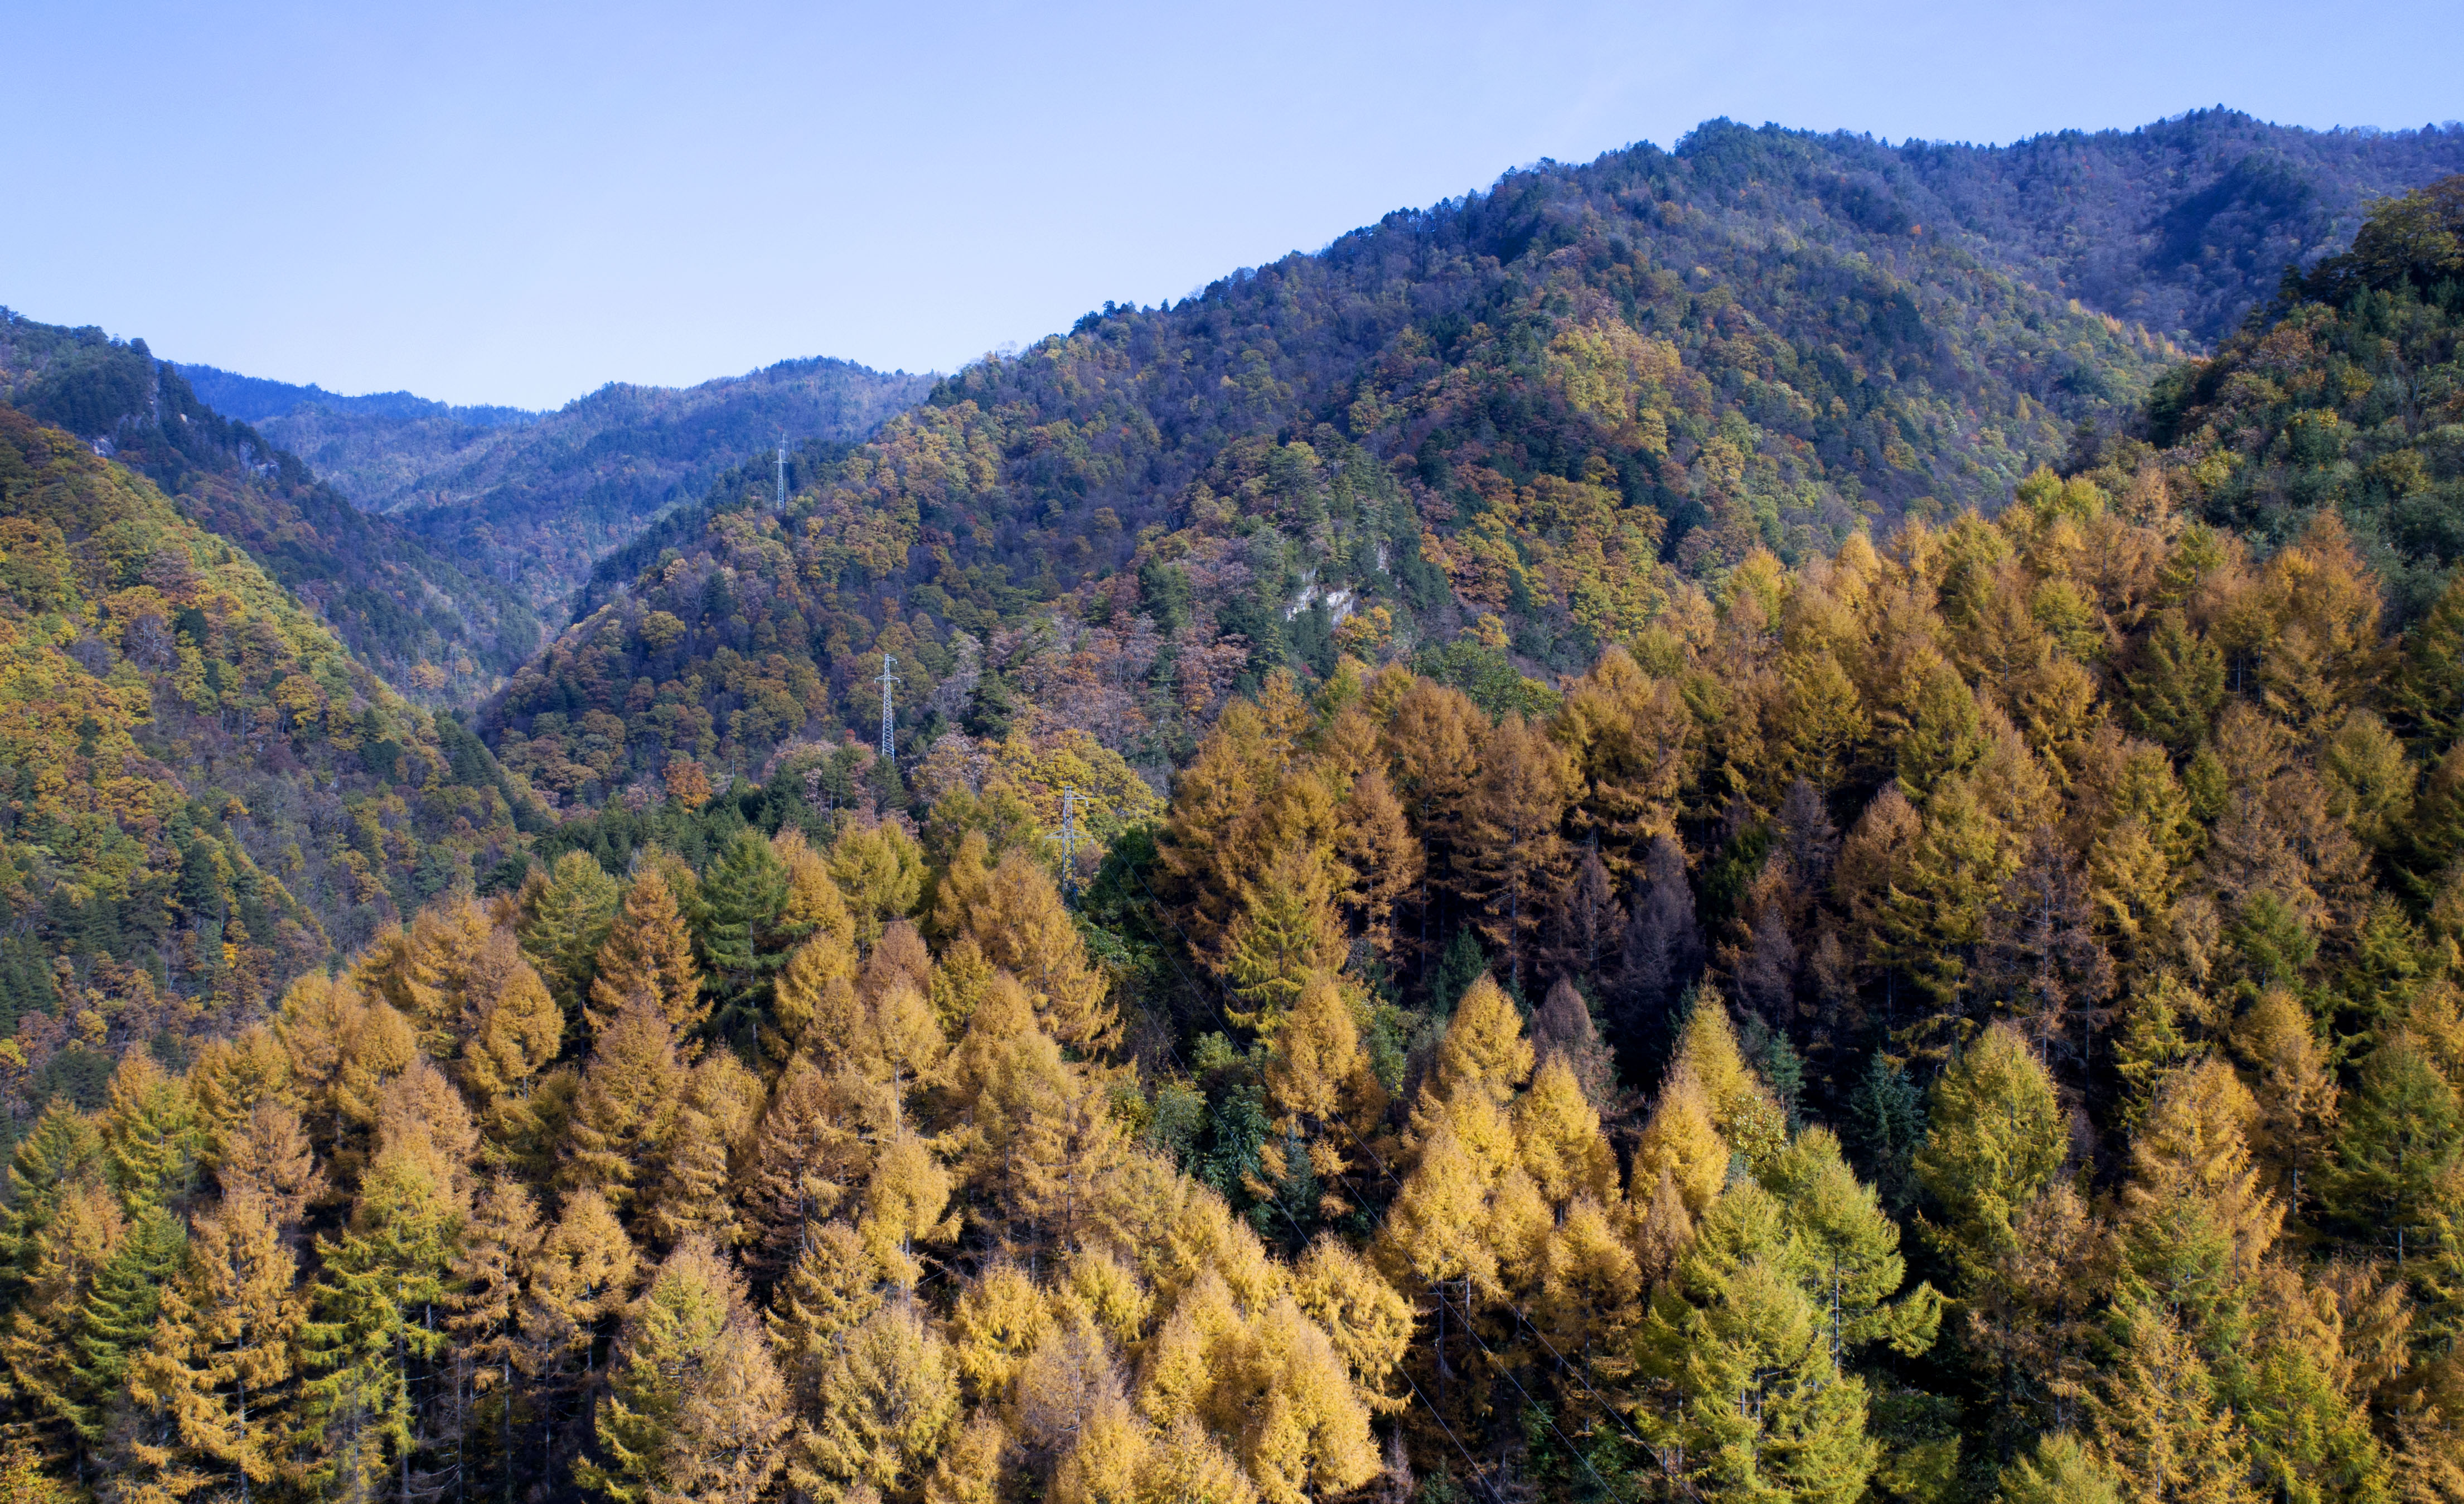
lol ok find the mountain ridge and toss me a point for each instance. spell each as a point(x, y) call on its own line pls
point(442, 632)
point(534, 504)
point(1520, 423)
point(256, 399)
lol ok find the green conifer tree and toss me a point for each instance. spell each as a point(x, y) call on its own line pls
point(567, 923)
point(2403, 1126)
point(1742, 1398)
point(1996, 1137)
point(737, 913)
point(118, 1320)
point(379, 1325)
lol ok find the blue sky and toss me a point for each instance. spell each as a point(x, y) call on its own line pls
point(499, 203)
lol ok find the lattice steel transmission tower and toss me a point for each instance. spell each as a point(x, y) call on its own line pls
point(1069, 843)
point(782, 471)
point(889, 715)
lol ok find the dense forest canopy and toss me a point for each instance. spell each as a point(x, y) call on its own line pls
point(2182, 226)
point(1490, 438)
point(206, 794)
point(1631, 840)
point(2345, 398)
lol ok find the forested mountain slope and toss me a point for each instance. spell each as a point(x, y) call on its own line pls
point(1486, 437)
point(2349, 395)
point(2182, 226)
point(534, 501)
point(442, 632)
point(206, 794)
point(1971, 1020)
point(1967, 1012)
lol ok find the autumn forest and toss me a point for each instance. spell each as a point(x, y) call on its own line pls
point(1727, 825)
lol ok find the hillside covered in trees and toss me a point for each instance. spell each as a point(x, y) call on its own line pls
point(440, 633)
point(1489, 438)
point(533, 500)
point(1970, 1019)
point(2343, 397)
point(1582, 849)
point(205, 794)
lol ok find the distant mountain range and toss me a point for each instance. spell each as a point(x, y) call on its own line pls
point(437, 630)
point(253, 399)
point(533, 500)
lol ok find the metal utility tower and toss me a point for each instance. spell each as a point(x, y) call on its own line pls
point(782, 471)
point(1069, 843)
point(889, 717)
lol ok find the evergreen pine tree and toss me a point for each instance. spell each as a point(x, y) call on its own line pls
point(1851, 1251)
point(1996, 1137)
point(740, 926)
point(377, 1331)
point(1285, 933)
point(1886, 1123)
point(2427, 693)
point(61, 1151)
point(117, 1318)
point(2403, 1126)
point(1743, 1398)
point(38, 1343)
point(2176, 684)
point(565, 923)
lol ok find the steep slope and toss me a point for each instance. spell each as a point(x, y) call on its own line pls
point(2349, 395)
point(205, 792)
point(533, 500)
point(2181, 226)
point(1488, 437)
point(1536, 417)
point(445, 633)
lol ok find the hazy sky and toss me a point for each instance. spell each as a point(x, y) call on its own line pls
point(500, 203)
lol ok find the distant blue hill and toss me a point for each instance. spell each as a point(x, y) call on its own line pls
point(253, 399)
